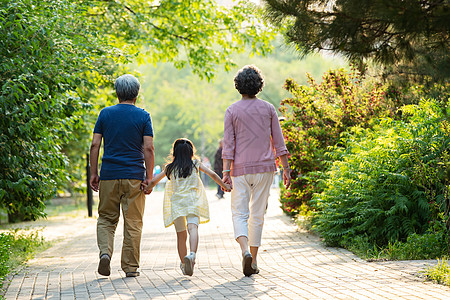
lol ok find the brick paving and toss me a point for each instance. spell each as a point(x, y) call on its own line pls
point(294, 265)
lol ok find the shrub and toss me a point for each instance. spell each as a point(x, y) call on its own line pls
point(388, 183)
point(315, 117)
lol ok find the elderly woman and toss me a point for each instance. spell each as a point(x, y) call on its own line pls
point(252, 134)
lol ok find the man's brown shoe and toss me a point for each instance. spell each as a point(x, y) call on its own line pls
point(133, 274)
point(104, 266)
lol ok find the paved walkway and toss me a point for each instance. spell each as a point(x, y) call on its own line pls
point(294, 265)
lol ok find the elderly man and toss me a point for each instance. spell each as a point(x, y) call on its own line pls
point(128, 143)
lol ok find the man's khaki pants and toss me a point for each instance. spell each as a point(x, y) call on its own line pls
point(113, 194)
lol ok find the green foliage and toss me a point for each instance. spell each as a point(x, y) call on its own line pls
point(17, 247)
point(183, 108)
point(439, 92)
point(389, 182)
point(411, 36)
point(315, 117)
point(439, 273)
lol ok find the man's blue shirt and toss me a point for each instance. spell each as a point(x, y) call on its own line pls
point(123, 127)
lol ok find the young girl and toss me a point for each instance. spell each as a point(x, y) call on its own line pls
point(185, 199)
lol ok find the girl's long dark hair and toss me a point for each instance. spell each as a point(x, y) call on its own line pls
point(182, 153)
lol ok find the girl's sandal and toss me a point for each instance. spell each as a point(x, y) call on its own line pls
point(182, 268)
point(189, 263)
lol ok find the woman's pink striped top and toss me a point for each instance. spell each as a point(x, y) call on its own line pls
point(252, 135)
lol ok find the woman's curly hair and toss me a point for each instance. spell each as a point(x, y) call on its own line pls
point(249, 81)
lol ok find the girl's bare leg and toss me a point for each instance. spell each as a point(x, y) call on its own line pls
point(193, 237)
point(181, 244)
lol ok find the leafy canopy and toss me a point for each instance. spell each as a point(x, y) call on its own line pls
point(195, 33)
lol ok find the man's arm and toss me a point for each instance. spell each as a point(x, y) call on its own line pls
point(154, 181)
point(93, 160)
point(149, 159)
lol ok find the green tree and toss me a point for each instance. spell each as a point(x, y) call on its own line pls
point(43, 49)
point(411, 36)
point(182, 105)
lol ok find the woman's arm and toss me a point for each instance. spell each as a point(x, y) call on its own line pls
point(215, 177)
point(280, 148)
point(229, 146)
point(277, 136)
point(226, 172)
point(286, 170)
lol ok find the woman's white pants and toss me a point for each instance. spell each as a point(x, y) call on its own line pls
point(249, 198)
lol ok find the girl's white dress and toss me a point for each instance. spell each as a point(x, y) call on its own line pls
point(185, 196)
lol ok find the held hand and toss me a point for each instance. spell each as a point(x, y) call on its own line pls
point(227, 189)
point(93, 182)
point(227, 180)
point(287, 178)
point(145, 187)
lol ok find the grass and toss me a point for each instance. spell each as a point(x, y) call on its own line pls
point(433, 244)
point(19, 245)
point(16, 247)
point(424, 246)
point(70, 207)
point(439, 273)
point(67, 210)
